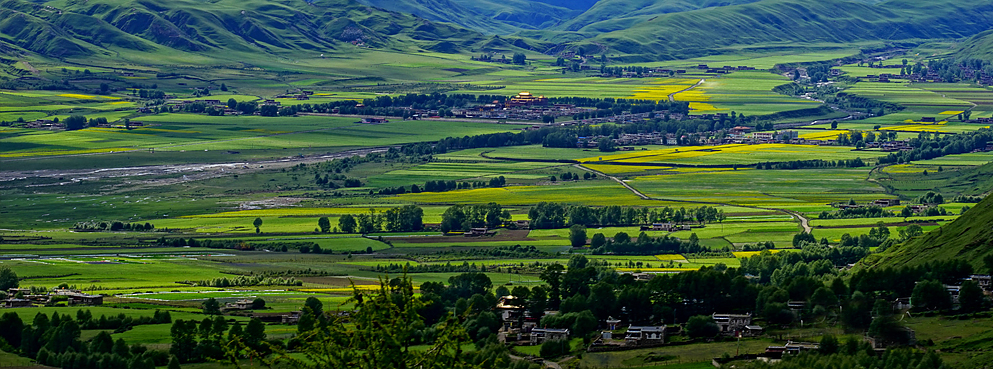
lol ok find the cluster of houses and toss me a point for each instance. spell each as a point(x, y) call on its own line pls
point(520, 327)
point(23, 297)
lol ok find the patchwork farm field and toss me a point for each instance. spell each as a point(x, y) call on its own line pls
point(181, 132)
point(726, 155)
point(745, 92)
point(783, 188)
point(304, 204)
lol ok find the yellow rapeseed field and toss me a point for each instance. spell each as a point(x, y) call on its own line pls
point(903, 168)
point(822, 135)
point(668, 257)
point(748, 254)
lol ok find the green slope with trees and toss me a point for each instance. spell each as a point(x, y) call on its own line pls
point(968, 238)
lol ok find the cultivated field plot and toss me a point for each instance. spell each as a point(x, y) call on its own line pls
point(176, 132)
point(483, 170)
point(918, 99)
point(734, 154)
point(578, 192)
point(537, 152)
point(32, 105)
point(744, 92)
point(784, 188)
point(113, 275)
point(969, 159)
point(981, 97)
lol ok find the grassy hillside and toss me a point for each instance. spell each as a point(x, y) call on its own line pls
point(77, 29)
point(612, 15)
point(788, 22)
point(979, 46)
point(487, 16)
point(970, 238)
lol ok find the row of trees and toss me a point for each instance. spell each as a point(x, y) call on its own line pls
point(466, 217)
point(243, 281)
point(547, 215)
point(407, 218)
point(815, 163)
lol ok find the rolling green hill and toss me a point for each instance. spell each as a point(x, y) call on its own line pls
point(979, 46)
point(970, 238)
point(612, 15)
point(487, 16)
point(77, 29)
point(792, 22)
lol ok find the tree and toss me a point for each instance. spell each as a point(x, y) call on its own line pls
point(971, 298)
point(577, 262)
point(577, 235)
point(255, 333)
point(538, 302)
point(8, 279)
point(520, 58)
point(347, 223)
point(602, 300)
point(211, 307)
point(552, 275)
point(598, 240)
point(232, 103)
point(247, 107)
point(829, 345)
point(606, 145)
point(11, 328)
point(700, 326)
point(258, 303)
point(75, 122)
point(257, 223)
point(911, 231)
point(224, 87)
point(324, 224)
point(931, 295)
